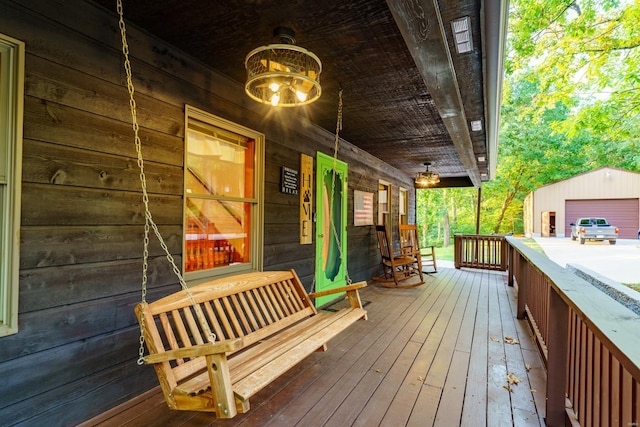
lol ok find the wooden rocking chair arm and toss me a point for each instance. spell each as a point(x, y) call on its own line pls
point(195, 351)
point(348, 288)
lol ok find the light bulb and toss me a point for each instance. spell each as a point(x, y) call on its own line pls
point(275, 99)
point(301, 96)
point(274, 86)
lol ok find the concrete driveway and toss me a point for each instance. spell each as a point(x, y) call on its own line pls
point(619, 262)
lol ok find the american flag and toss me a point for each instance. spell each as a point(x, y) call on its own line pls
point(362, 208)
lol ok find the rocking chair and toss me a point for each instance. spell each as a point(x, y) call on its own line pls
point(410, 243)
point(397, 265)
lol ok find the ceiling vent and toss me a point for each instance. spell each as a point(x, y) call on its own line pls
point(462, 34)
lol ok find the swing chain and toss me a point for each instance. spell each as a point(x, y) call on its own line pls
point(148, 219)
point(336, 145)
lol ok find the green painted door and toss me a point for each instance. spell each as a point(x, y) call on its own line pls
point(331, 225)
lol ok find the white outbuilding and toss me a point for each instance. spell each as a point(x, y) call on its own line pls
point(606, 192)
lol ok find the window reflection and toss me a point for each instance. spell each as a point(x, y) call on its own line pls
point(219, 176)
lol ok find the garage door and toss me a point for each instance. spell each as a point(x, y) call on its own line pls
point(623, 213)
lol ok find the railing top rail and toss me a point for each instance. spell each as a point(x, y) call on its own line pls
point(611, 322)
point(482, 236)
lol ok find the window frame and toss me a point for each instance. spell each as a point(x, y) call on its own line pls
point(403, 206)
point(257, 211)
point(384, 216)
point(11, 114)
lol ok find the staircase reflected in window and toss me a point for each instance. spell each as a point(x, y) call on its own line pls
point(220, 197)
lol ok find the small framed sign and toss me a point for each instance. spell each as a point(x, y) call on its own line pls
point(289, 181)
point(362, 208)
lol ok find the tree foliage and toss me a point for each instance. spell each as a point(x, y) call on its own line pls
point(585, 55)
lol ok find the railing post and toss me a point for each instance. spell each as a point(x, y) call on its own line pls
point(503, 253)
point(511, 264)
point(557, 360)
point(523, 267)
point(457, 250)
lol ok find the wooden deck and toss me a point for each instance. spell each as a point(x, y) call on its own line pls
point(431, 355)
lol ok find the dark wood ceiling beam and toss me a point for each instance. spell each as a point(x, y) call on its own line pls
point(423, 31)
point(455, 181)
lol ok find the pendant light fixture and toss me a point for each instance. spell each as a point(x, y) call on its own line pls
point(427, 178)
point(283, 74)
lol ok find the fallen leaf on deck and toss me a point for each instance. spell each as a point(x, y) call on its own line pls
point(420, 378)
point(378, 370)
point(513, 379)
point(508, 388)
point(495, 339)
point(510, 340)
point(533, 390)
point(527, 367)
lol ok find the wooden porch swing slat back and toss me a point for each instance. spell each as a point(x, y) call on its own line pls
point(264, 323)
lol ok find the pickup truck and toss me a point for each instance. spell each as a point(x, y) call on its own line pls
point(593, 229)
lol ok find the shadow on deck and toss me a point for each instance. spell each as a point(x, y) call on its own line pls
point(438, 354)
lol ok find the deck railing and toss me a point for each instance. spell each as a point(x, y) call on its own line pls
point(477, 251)
point(590, 342)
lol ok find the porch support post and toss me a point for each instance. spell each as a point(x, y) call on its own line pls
point(557, 360)
point(478, 211)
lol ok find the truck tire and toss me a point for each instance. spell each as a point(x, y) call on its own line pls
point(582, 240)
point(612, 242)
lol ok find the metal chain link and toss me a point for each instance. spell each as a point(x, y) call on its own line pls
point(148, 219)
point(336, 145)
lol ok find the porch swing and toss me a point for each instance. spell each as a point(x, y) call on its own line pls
point(215, 345)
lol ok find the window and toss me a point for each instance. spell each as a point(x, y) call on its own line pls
point(403, 206)
point(223, 197)
point(11, 104)
point(384, 202)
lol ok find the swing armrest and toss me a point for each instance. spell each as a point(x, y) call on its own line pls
point(352, 293)
point(195, 351)
point(347, 288)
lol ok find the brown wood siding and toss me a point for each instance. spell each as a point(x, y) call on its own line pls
point(82, 220)
point(623, 213)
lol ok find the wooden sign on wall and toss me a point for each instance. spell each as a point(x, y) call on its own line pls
point(306, 199)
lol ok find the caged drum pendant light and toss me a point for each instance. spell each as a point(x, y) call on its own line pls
point(427, 178)
point(283, 74)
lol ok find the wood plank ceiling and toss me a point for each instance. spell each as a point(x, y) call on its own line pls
point(409, 97)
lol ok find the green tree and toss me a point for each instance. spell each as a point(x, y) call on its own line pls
point(531, 153)
point(586, 55)
point(443, 212)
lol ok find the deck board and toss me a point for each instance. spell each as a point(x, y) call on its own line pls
point(429, 355)
point(475, 400)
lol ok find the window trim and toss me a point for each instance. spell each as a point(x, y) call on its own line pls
point(382, 214)
point(403, 206)
point(11, 112)
point(257, 215)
